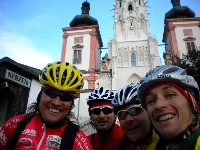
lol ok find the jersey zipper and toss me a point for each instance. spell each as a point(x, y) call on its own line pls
point(43, 135)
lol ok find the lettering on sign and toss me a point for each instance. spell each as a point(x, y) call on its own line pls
point(17, 78)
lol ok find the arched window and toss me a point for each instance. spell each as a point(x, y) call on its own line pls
point(130, 7)
point(133, 59)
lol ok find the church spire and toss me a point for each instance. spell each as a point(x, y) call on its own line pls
point(85, 7)
point(175, 3)
point(84, 19)
point(179, 11)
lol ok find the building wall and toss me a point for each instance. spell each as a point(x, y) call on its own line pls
point(34, 91)
point(85, 50)
point(81, 107)
point(132, 36)
point(174, 36)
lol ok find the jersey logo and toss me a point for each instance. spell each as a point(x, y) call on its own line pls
point(29, 132)
point(25, 142)
point(53, 141)
point(3, 138)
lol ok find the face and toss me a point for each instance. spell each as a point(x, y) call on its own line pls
point(136, 127)
point(53, 110)
point(169, 111)
point(103, 121)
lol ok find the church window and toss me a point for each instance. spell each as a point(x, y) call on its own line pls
point(187, 32)
point(133, 59)
point(190, 46)
point(130, 7)
point(78, 39)
point(77, 57)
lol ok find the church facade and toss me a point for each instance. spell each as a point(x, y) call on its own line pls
point(131, 53)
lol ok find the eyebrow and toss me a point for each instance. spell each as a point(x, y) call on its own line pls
point(169, 87)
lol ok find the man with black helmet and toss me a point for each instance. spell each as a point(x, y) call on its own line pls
point(103, 119)
point(49, 126)
point(171, 98)
point(134, 120)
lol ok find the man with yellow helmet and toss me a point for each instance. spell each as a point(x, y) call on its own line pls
point(48, 126)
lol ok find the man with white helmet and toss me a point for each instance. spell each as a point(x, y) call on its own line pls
point(103, 119)
point(171, 99)
point(134, 120)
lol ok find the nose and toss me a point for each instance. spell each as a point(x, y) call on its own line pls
point(129, 117)
point(56, 101)
point(101, 114)
point(160, 103)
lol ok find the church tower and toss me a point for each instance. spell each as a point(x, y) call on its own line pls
point(132, 51)
point(81, 46)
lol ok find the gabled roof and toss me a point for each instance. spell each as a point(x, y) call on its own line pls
point(33, 71)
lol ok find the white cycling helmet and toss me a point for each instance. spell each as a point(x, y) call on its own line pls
point(101, 94)
point(167, 73)
point(126, 95)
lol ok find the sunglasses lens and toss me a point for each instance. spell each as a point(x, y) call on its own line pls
point(133, 111)
point(49, 93)
point(96, 111)
point(66, 97)
point(105, 110)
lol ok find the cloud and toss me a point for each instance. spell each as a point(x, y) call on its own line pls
point(20, 48)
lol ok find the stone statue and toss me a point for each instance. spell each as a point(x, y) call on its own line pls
point(175, 3)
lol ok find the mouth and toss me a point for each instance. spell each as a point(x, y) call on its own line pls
point(165, 117)
point(54, 110)
point(102, 122)
point(132, 128)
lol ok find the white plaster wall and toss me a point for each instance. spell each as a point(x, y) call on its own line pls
point(180, 36)
point(85, 50)
point(34, 90)
point(123, 73)
point(82, 115)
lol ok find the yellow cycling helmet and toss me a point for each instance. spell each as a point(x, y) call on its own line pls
point(62, 76)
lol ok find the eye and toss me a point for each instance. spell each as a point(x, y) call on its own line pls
point(170, 95)
point(150, 100)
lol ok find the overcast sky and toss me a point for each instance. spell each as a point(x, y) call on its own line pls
point(31, 30)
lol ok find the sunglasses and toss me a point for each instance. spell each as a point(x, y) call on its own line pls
point(132, 111)
point(65, 97)
point(97, 110)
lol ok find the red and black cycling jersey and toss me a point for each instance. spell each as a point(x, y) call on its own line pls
point(37, 136)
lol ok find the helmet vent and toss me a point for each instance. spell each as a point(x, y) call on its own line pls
point(57, 73)
point(51, 74)
point(70, 78)
point(63, 77)
point(75, 81)
point(170, 70)
point(44, 77)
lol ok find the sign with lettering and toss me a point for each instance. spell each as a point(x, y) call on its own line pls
point(17, 78)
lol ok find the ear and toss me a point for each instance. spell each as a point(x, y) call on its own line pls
point(89, 112)
point(91, 118)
